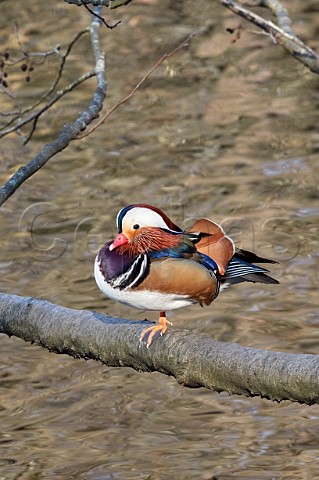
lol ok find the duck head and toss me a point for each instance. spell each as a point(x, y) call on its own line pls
point(143, 228)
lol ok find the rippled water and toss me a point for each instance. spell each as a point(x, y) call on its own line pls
point(224, 130)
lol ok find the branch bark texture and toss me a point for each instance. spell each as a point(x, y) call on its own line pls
point(195, 361)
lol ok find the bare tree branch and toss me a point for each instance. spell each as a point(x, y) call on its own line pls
point(281, 33)
point(16, 116)
point(290, 42)
point(107, 3)
point(195, 361)
point(68, 132)
point(34, 117)
point(280, 12)
point(101, 18)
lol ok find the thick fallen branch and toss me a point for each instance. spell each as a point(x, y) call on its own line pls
point(195, 361)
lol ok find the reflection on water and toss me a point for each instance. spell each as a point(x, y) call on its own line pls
point(224, 130)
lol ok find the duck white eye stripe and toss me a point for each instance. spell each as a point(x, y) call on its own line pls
point(144, 217)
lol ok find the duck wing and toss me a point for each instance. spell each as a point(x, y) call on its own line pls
point(211, 240)
point(239, 271)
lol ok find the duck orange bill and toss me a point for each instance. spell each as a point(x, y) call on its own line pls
point(120, 239)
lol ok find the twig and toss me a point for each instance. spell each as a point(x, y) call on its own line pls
point(280, 12)
point(68, 132)
point(101, 18)
point(143, 80)
point(290, 42)
point(25, 52)
point(20, 113)
point(107, 3)
point(36, 115)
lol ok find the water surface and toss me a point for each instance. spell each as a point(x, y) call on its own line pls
point(223, 130)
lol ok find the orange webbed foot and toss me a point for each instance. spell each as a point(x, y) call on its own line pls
point(149, 335)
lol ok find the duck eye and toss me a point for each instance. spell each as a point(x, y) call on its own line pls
point(136, 226)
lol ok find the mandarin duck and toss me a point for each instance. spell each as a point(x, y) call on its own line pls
point(152, 264)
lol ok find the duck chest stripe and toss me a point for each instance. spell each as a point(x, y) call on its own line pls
point(134, 275)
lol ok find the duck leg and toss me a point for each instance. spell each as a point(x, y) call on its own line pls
point(150, 334)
